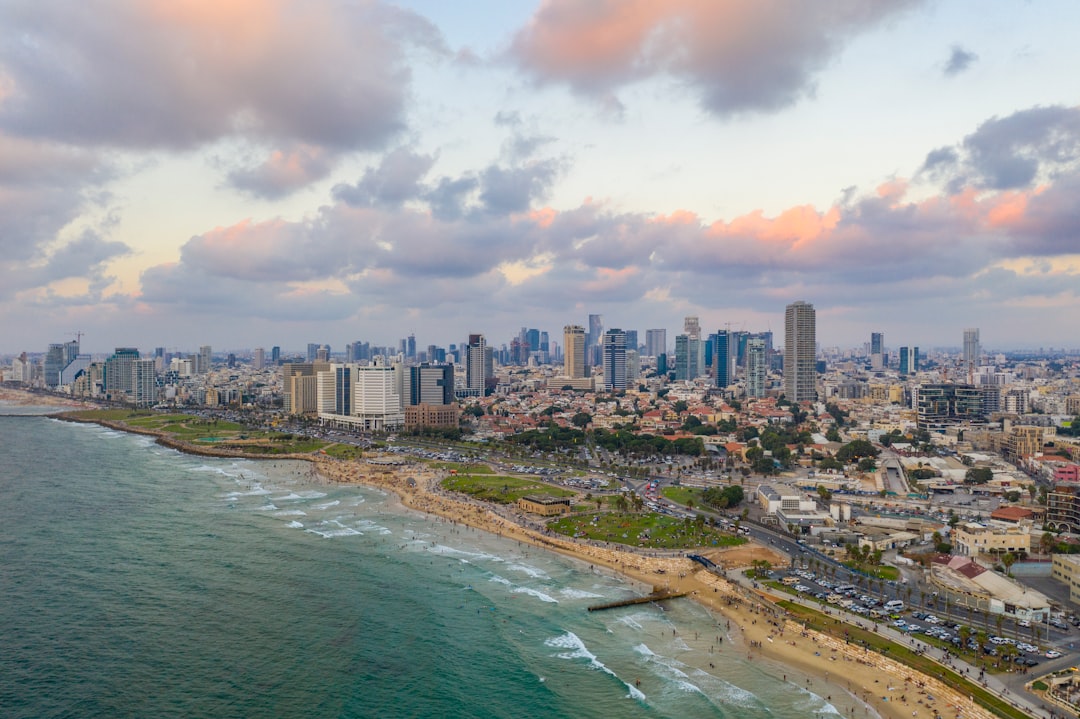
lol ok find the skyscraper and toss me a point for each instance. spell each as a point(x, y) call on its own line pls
point(972, 350)
point(877, 350)
point(205, 355)
point(723, 359)
point(655, 342)
point(909, 360)
point(259, 360)
point(574, 352)
point(756, 367)
point(430, 384)
point(476, 353)
point(614, 360)
point(800, 352)
point(688, 357)
point(592, 340)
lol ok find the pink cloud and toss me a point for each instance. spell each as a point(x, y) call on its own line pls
point(739, 55)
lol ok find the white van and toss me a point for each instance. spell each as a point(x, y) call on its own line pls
point(894, 606)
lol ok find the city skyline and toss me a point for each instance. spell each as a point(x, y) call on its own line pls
point(252, 174)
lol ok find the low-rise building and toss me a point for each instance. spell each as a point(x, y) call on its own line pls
point(972, 539)
point(545, 506)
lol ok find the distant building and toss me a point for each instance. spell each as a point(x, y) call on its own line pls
point(940, 406)
point(756, 367)
point(430, 384)
point(614, 360)
point(800, 352)
point(723, 359)
point(655, 342)
point(972, 351)
point(909, 360)
point(477, 360)
point(130, 379)
point(574, 340)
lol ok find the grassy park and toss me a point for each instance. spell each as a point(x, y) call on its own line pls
point(644, 530)
point(501, 489)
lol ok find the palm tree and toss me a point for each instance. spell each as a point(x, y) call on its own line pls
point(1008, 559)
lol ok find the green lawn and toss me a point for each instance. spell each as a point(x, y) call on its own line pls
point(882, 571)
point(344, 451)
point(682, 495)
point(462, 468)
point(502, 490)
point(643, 530)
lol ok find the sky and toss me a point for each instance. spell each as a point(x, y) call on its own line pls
point(277, 172)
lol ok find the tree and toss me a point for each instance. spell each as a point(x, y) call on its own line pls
point(581, 419)
point(867, 464)
point(833, 435)
point(1008, 559)
point(856, 449)
point(978, 475)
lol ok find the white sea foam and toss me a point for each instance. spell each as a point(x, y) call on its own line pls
point(331, 533)
point(287, 497)
point(531, 571)
point(295, 525)
point(644, 650)
point(571, 593)
point(326, 505)
point(267, 508)
point(577, 650)
point(291, 513)
point(311, 494)
point(454, 552)
point(366, 525)
point(535, 593)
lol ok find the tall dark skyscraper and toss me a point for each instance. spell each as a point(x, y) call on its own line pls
point(614, 360)
point(723, 358)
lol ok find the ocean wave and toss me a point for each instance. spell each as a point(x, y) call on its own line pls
point(531, 571)
point(535, 593)
point(295, 525)
point(291, 513)
point(326, 505)
point(577, 650)
point(571, 593)
point(331, 533)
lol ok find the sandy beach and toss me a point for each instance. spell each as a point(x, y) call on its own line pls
point(880, 684)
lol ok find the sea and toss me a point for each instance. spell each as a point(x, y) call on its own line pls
point(137, 581)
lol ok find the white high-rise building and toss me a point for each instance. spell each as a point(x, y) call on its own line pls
point(756, 367)
point(800, 352)
point(259, 360)
point(972, 350)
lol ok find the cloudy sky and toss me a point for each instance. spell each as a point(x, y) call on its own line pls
point(259, 172)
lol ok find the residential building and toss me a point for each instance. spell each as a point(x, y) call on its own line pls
point(971, 539)
point(477, 362)
point(756, 367)
point(1063, 507)
point(574, 340)
point(939, 406)
point(800, 352)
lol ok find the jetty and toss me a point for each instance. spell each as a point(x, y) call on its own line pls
point(656, 596)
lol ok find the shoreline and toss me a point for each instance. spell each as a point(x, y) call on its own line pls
point(870, 679)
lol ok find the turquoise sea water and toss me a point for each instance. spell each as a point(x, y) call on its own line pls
point(139, 582)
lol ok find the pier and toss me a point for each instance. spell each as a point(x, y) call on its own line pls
point(654, 597)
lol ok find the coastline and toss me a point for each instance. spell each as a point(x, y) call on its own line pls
point(875, 681)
